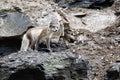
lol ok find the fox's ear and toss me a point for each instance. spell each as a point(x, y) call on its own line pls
point(51, 23)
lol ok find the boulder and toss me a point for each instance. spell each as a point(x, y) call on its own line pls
point(13, 23)
point(43, 66)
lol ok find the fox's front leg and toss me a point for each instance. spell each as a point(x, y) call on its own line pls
point(36, 44)
point(48, 44)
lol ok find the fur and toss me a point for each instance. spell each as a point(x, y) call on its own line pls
point(32, 37)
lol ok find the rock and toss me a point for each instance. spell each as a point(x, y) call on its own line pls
point(113, 71)
point(42, 66)
point(116, 7)
point(80, 14)
point(13, 23)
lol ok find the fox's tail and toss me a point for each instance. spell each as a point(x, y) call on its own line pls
point(25, 43)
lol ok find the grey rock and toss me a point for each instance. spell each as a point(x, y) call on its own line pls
point(13, 23)
point(42, 66)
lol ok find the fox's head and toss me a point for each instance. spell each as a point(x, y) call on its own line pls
point(54, 25)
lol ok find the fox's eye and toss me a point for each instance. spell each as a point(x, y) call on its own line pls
point(51, 26)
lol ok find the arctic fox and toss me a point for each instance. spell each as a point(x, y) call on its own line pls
point(32, 37)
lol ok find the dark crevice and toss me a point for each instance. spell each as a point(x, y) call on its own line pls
point(100, 5)
point(97, 4)
point(9, 45)
point(28, 74)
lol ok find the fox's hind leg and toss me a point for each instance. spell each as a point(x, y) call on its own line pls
point(34, 45)
point(25, 43)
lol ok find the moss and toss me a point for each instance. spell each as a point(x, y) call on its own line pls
point(51, 63)
point(7, 10)
point(118, 25)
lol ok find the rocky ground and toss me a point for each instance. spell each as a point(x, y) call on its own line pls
point(101, 51)
point(94, 36)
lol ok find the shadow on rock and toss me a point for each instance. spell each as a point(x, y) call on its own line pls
point(8, 46)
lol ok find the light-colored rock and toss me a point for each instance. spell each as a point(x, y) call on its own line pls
point(13, 24)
